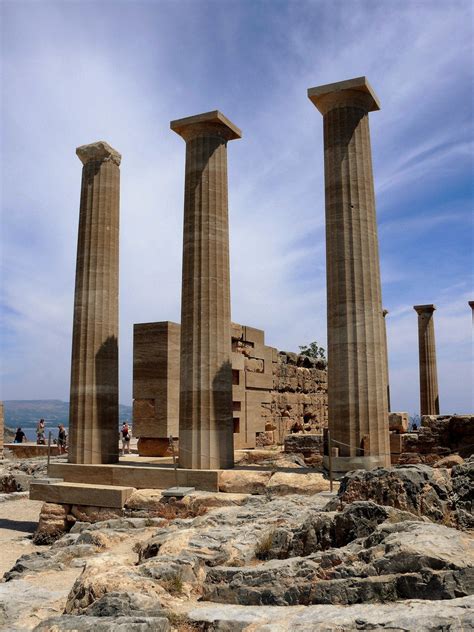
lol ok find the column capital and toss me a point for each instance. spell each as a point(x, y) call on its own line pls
point(207, 124)
point(424, 309)
point(99, 151)
point(349, 93)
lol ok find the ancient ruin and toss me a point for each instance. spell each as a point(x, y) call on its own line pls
point(429, 395)
point(93, 415)
point(205, 410)
point(273, 394)
point(357, 370)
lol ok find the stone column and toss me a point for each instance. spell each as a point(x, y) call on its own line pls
point(471, 305)
point(357, 387)
point(205, 405)
point(384, 314)
point(429, 395)
point(93, 417)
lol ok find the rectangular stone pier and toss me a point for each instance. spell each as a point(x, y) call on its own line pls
point(140, 477)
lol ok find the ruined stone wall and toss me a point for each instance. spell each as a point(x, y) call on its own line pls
point(437, 437)
point(298, 398)
point(274, 393)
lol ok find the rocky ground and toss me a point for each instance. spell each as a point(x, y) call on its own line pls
point(393, 550)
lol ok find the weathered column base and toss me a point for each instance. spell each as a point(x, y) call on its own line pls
point(347, 463)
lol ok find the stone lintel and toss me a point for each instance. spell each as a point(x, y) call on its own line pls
point(192, 125)
point(99, 151)
point(343, 92)
point(424, 309)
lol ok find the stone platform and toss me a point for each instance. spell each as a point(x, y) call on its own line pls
point(139, 476)
point(81, 494)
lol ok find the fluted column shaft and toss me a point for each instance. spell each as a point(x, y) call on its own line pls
point(93, 416)
point(357, 362)
point(384, 314)
point(429, 394)
point(205, 408)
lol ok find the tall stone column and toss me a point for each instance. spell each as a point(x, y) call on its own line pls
point(384, 314)
point(93, 416)
point(357, 393)
point(205, 406)
point(429, 395)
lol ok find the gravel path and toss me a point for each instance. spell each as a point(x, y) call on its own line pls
point(18, 520)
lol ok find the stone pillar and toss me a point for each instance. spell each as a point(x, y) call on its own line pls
point(205, 405)
point(93, 416)
point(384, 314)
point(2, 428)
point(357, 386)
point(429, 395)
point(471, 305)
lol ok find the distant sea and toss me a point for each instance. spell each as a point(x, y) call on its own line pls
point(25, 414)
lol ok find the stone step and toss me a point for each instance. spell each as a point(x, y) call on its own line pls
point(81, 494)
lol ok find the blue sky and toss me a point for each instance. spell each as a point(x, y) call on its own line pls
point(75, 72)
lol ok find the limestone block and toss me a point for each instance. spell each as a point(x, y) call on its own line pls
point(254, 365)
point(237, 331)
point(258, 380)
point(243, 481)
point(257, 336)
point(238, 361)
point(80, 494)
point(398, 422)
point(283, 483)
point(152, 446)
point(396, 443)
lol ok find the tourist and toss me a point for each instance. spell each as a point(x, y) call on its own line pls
point(40, 433)
point(125, 438)
point(19, 436)
point(61, 439)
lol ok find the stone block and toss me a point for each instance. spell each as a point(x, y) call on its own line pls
point(396, 443)
point(308, 483)
point(257, 336)
point(236, 331)
point(398, 422)
point(238, 361)
point(258, 380)
point(154, 446)
point(81, 494)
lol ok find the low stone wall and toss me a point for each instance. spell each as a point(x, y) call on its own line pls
point(30, 450)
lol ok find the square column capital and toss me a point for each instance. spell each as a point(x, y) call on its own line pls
point(352, 92)
point(98, 151)
point(424, 309)
point(206, 124)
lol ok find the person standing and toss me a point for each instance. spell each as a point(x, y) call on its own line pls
point(19, 436)
point(62, 439)
point(40, 433)
point(125, 438)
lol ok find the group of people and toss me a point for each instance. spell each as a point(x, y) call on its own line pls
point(61, 441)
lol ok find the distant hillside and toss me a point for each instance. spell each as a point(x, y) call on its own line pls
point(27, 412)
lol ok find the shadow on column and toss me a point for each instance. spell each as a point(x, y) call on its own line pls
point(106, 389)
point(222, 400)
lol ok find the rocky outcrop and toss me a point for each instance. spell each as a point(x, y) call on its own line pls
point(398, 561)
point(442, 495)
point(422, 616)
point(104, 624)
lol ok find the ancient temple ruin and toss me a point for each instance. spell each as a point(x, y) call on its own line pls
point(273, 393)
